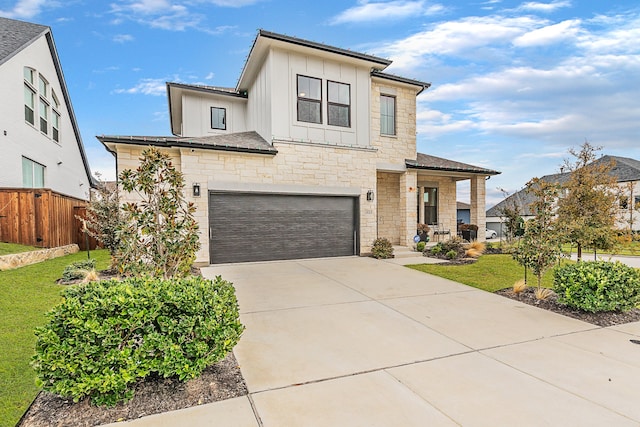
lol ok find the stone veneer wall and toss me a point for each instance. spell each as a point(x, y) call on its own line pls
point(8, 262)
point(388, 201)
point(301, 164)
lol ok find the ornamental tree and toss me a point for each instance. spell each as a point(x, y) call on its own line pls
point(588, 206)
point(158, 235)
point(539, 248)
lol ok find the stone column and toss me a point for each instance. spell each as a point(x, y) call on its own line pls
point(478, 206)
point(408, 188)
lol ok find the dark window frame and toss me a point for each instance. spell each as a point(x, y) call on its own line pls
point(307, 99)
point(224, 118)
point(394, 117)
point(338, 104)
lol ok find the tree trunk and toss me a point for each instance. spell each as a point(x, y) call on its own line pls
point(579, 252)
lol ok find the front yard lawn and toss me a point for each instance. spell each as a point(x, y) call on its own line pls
point(490, 273)
point(14, 248)
point(27, 294)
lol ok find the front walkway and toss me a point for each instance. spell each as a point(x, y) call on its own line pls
point(361, 342)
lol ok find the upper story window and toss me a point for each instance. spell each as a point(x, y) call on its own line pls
point(55, 117)
point(339, 104)
point(32, 174)
point(387, 115)
point(37, 90)
point(309, 99)
point(218, 118)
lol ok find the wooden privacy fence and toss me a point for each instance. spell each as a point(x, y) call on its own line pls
point(41, 217)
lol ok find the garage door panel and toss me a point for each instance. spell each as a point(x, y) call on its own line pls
point(263, 227)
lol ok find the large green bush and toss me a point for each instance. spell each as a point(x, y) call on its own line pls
point(105, 336)
point(598, 286)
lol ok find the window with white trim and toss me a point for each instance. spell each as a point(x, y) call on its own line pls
point(218, 118)
point(387, 115)
point(338, 104)
point(55, 117)
point(32, 174)
point(44, 116)
point(29, 104)
point(309, 90)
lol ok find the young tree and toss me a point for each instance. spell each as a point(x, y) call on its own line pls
point(159, 235)
point(103, 216)
point(539, 247)
point(588, 206)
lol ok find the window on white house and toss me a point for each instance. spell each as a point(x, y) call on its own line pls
point(387, 115)
point(43, 86)
point(29, 75)
point(32, 174)
point(55, 117)
point(218, 118)
point(309, 99)
point(29, 104)
point(44, 116)
point(339, 104)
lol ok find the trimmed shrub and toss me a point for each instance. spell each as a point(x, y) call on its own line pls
point(455, 244)
point(436, 250)
point(105, 336)
point(598, 286)
point(78, 270)
point(420, 246)
point(452, 254)
point(382, 248)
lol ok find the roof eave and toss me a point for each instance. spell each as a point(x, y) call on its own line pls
point(485, 172)
point(180, 144)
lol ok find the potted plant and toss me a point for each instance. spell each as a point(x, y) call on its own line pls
point(423, 232)
point(469, 231)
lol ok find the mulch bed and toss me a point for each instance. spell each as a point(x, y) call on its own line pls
point(152, 396)
point(607, 318)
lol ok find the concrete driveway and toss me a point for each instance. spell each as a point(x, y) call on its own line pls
point(361, 342)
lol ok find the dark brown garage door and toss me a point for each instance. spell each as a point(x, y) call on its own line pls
point(265, 227)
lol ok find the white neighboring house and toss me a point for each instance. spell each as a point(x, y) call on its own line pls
point(626, 172)
point(39, 136)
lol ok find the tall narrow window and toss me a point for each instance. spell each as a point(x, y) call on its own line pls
point(218, 118)
point(387, 115)
point(339, 104)
point(44, 116)
point(309, 99)
point(29, 105)
point(32, 174)
point(43, 87)
point(55, 117)
point(29, 75)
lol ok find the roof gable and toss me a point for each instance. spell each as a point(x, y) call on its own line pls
point(16, 35)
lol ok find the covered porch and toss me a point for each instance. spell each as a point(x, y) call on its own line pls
point(436, 194)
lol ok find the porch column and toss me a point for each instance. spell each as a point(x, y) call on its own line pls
point(420, 212)
point(478, 205)
point(408, 184)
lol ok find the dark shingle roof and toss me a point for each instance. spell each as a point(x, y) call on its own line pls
point(16, 35)
point(248, 142)
point(209, 89)
point(393, 77)
point(624, 169)
point(427, 162)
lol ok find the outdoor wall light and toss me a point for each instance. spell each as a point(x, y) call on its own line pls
point(370, 195)
point(196, 189)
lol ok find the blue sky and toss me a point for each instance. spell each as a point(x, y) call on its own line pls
point(515, 84)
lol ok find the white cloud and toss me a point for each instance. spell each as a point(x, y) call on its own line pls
point(544, 7)
point(367, 11)
point(155, 87)
point(122, 38)
point(25, 9)
point(210, 76)
point(550, 34)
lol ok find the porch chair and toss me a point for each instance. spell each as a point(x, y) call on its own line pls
point(439, 230)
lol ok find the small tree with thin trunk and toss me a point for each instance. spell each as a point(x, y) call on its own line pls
point(588, 206)
point(103, 217)
point(511, 213)
point(539, 248)
point(159, 235)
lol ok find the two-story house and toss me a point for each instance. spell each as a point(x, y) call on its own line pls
point(312, 154)
point(39, 136)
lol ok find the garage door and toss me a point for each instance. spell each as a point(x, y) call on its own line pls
point(264, 227)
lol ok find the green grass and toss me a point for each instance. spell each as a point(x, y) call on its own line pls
point(490, 273)
point(14, 248)
point(27, 294)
